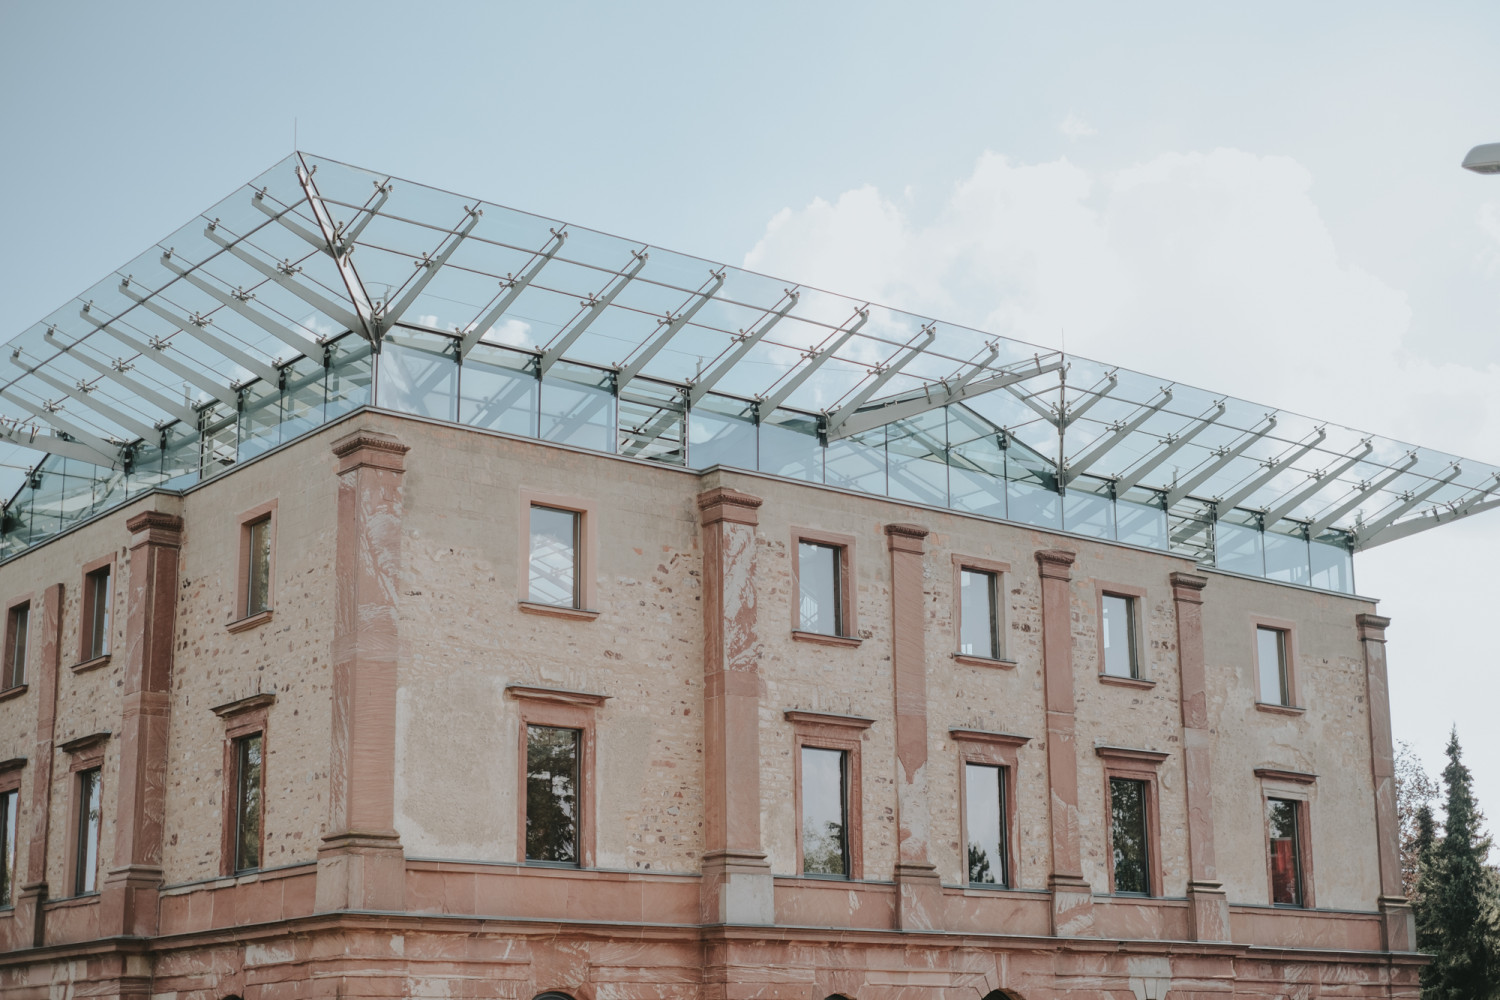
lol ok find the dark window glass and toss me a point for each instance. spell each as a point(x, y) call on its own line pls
point(1286, 853)
point(247, 752)
point(258, 579)
point(86, 871)
point(554, 557)
point(1270, 654)
point(552, 794)
point(15, 645)
point(1127, 817)
point(825, 841)
point(1117, 633)
point(978, 618)
point(7, 848)
point(984, 812)
point(818, 586)
point(97, 625)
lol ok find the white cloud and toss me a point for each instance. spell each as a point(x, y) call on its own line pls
point(1076, 128)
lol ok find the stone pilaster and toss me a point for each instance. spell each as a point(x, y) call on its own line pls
point(1072, 897)
point(128, 895)
point(46, 625)
point(1400, 932)
point(920, 889)
point(1206, 897)
point(737, 887)
point(361, 865)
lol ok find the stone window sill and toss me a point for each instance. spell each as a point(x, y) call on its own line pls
point(557, 611)
point(826, 640)
point(1130, 682)
point(12, 692)
point(1266, 706)
point(87, 665)
point(245, 624)
point(970, 660)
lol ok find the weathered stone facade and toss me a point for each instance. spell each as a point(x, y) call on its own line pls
point(400, 654)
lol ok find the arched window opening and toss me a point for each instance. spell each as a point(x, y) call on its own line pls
point(553, 995)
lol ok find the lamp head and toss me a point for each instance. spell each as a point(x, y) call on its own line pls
point(1484, 159)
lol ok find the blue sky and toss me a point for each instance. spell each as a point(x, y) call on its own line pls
point(1259, 199)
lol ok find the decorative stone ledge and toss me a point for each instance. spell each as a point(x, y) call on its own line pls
point(87, 665)
point(970, 660)
point(365, 447)
point(826, 640)
point(556, 696)
point(264, 699)
point(1055, 564)
point(1266, 706)
point(1131, 682)
point(14, 691)
point(557, 611)
point(1131, 753)
point(249, 622)
point(985, 736)
point(82, 743)
point(725, 504)
point(797, 715)
point(1283, 774)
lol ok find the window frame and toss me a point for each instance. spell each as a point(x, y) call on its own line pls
point(977, 746)
point(1131, 764)
point(244, 617)
point(1136, 599)
point(1299, 788)
point(558, 708)
point(826, 731)
point(10, 677)
point(87, 606)
point(10, 828)
point(585, 555)
point(999, 571)
point(243, 718)
point(86, 753)
point(845, 597)
point(1292, 705)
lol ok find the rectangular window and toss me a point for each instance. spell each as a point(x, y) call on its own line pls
point(15, 646)
point(258, 567)
point(248, 763)
point(552, 794)
point(978, 614)
point(1270, 654)
point(1128, 834)
point(819, 588)
point(1117, 635)
point(96, 614)
point(554, 557)
point(825, 838)
point(984, 815)
point(1286, 853)
point(8, 802)
point(86, 865)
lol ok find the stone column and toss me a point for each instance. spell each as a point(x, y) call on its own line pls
point(1398, 928)
point(921, 891)
point(1072, 897)
point(737, 887)
point(128, 896)
point(1206, 897)
point(46, 626)
point(361, 865)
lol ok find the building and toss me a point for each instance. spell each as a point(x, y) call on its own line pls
point(631, 626)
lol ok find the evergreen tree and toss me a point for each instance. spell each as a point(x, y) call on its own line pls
point(1458, 919)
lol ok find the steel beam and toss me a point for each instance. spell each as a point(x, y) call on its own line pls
point(198, 330)
point(51, 444)
point(512, 289)
point(287, 278)
point(668, 329)
point(187, 373)
point(118, 371)
point(240, 303)
point(428, 269)
point(1273, 469)
point(1360, 495)
point(746, 341)
point(145, 432)
point(1120, 432)
point(1224, 457)
point(815, 359)
point(1095, 395)
point(1471, 505)
point(837, 418)
point(596, 304)
point(61, 424)
point(358, 297)
point(1366, 535)
point(1293, 501)
point(1173, 444)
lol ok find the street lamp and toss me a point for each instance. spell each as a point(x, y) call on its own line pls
point(1484, 159)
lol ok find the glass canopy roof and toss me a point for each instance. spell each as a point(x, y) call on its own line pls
point(319, 287)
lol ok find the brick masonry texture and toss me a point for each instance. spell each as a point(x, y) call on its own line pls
point(463, 916)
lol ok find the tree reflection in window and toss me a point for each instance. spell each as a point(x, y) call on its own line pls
point(984, 813)
point(825, 844)
point(1127, 807)
point(552, 794)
